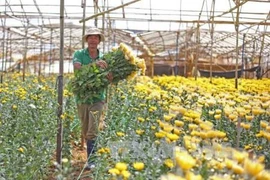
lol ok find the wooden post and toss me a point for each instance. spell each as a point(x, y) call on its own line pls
point(177, 54)
point(260, 56)
point(10, 51)
point(186, 54)
point(95, 12)
point(83, 42)
point(60, 87)
point(6, 55)
point(152, 66)
point(197, 50)
point(212, 39)
point(243, 56)
point(25, 49)
point(3, 48)
point(103, 25)
point(236, 74)
point(69, 49)
point(50, 59)
point(83, 28)
point(237, 36)
point(41, 53)
point(267, 67)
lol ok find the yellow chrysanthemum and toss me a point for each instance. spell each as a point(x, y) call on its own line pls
point(264, 175)
point(249, 117)
point(139, 131)
point(121, 166)
point(263, 124)
point(217, 116)
point(138, 166)
point(218, 111)
point(168, 128)
point(21, 149)
point(141, 119)
point(239, 156)
point(253, 168)
point(179, 123)
point(114, 171)
point(160, 134)
point(169, 163)
point(171, 176)
point(168, 117)
point(120, 134)
point(245, 125)
point(125, 174)
point(185, 160)
point(237, 169)
point(192, 176)
point(172, 137)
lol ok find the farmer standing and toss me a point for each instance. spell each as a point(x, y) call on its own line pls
point(90, 112)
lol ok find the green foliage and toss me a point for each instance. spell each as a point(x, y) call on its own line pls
point(28, 128)
point(120, 67)
point(88, 81)
point(125, 107)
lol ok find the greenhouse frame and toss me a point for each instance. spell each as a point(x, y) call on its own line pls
point(170, 37)
point(176, 89)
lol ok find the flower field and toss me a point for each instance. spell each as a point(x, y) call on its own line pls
point(178, 128)
point(165, 127)
point(28, 126)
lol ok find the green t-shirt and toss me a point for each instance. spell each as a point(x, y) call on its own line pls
point(82, 57)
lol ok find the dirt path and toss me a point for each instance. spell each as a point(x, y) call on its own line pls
point(77, 171)
point(79, 159)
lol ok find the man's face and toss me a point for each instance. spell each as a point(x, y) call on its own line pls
point(93, 41)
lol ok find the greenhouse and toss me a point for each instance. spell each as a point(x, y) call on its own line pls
point(135, 89)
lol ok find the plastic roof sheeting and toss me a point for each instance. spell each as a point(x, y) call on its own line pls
point(163, 28)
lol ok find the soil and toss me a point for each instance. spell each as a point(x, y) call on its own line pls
point(77, 170)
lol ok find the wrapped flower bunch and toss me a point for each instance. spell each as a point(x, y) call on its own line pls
point(121, 63)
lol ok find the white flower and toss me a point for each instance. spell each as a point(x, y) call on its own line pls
point(32, 106)
point(64, 160)
point(39, 86)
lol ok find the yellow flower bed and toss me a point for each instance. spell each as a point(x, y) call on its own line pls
point(180, 128)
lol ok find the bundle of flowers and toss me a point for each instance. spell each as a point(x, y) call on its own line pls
point(91, 79)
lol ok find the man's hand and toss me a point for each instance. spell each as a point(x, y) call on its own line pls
point(102, 64)
point(110, 76)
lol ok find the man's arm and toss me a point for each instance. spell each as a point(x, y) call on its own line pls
point(77, 61)
point(77, 65)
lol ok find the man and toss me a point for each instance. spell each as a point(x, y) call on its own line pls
point(90, 113)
